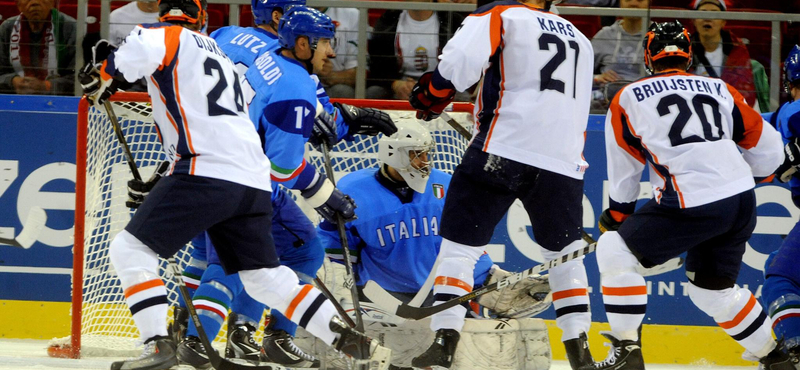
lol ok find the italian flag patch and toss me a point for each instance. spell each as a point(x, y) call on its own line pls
point(438, 191)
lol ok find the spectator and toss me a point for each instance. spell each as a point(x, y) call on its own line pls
point(404, 45)
point(719, 53)
point(339, 73)
point(37, 50)
point(122, 20)
point(618, 54)
point(601, 3)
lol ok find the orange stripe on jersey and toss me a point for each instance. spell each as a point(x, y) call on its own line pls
point(185, 117)
point(172, 39)
point(449, 281)
point(296, 301)
point(753, 123)
point(625, 291)
point(741, 315)
point(163, 100)
point(499, 103)
point(617, 113)
point(142, 286)
point(570, 293)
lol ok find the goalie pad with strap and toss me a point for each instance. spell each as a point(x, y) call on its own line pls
point(525, 298)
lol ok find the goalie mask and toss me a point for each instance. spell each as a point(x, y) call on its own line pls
point(409, 151)
point(182, 11)
point(665, 40)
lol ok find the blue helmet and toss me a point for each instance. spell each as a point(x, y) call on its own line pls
point(791, 67)
point(262, 9)
point(304, 21)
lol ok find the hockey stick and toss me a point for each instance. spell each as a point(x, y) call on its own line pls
point(672, 264)
point(456, 126)
point(321, 286)
point(118, 131)
point(380, 296)
point(788, 174)
point(217, 362)
point(31, 229)
point(345, 250)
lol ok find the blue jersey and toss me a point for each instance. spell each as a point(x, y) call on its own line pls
point(244, 44)
point(787, 122)
point(396, 243)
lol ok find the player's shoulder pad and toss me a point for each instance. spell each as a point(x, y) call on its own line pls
point(496, 4)
point(157, 25)
point(358, 180)
point(440, 177)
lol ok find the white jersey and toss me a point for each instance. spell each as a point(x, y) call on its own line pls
point(703, 142)
point(198, 104)
point(124, 19)
point(533, 106)
point(346, 22)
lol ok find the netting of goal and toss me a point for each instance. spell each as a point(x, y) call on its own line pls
point(101, 322)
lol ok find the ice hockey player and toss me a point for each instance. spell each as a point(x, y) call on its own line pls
point(219, 165)
point(781, 294)
point(705, 145)
point(532, 112)
point(399, 209)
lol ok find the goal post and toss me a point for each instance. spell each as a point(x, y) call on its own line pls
point(101, 324)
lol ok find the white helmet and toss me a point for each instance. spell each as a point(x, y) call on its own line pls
point(398, 150)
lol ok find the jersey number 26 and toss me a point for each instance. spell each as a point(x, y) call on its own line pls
point(214, 109)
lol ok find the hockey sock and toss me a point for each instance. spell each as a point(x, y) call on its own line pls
point(280, 322)
point(737, 312)
point(213, 298)
point(196, 266)
point(137, 268)
point(454, 277)
point(624, 289)
point(247, 309)
point(781, 297)
point(303, 304)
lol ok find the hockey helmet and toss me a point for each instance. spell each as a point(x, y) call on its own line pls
point(791, 68)
point(399, 151)
point(262, 9)
point(182, 11)
point(304, 21)
point(667, 39)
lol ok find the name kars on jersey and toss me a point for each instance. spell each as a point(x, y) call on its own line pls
point(549, 25)
point(400, 230)
point(657, 86)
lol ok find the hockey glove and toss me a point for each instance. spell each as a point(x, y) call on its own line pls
point(607, 222)
point(791, 162)
point(428, 105)
point(324, 130)
point(525, 298)
point(366, 121)
point(97, 89)
point(328, 201)
point(138, 190)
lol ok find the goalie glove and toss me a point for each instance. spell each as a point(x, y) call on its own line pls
point(96, 88)
point(791, 162)
point(138, 190)
point(428, 105)
point(328, 200)
point(525, 298)
point(366, 121)
point(324, 130)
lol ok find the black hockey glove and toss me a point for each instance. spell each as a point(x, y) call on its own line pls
point(607, 222)
point(328, 201)
point(324, 131)
point(366, 121)
point(97, 89)
point(138, 190)
point(428, 106)
point(791, 162)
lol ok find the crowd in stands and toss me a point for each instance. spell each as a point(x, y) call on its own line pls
point(37, 44)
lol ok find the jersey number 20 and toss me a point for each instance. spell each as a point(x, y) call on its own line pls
point(685, 113)
point(214, 109)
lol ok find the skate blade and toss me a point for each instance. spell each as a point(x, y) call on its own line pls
point(245, 362)
point(380, 359)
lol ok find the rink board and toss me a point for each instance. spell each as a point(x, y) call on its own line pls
point(37, 168)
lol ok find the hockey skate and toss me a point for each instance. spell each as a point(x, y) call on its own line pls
point(776, 360)
point(159, 353)
point(578, 352)
point(364, 350)
point(240, 341)
point(191, 352)
point(180, 322)
point(278, 347)
point(440, 354)
point(623, 355)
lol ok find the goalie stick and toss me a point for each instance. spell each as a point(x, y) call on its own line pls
point(665, 267)
point(375, 293)
point(31, 229)
point(217, 362)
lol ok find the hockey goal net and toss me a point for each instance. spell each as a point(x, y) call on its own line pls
point(101, 322)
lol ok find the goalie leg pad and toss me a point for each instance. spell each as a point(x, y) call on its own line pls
point(624, 288)
point(525, 298)
point(454, 278)
point(737, 312)
point(302, 304)
point(570, 292)
point(137, 267)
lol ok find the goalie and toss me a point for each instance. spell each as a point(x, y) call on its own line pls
point(399, 208)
